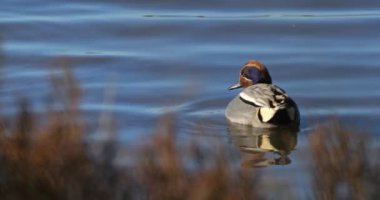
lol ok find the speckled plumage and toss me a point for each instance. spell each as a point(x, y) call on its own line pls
point(261, 104)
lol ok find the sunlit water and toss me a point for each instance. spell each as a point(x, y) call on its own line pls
point(180, 57)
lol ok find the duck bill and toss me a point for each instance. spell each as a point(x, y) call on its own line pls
point(235, 86)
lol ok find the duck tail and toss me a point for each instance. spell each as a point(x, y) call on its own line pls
point(277, 114)
point(266, 114)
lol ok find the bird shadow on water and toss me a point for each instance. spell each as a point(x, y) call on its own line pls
point(260, 147)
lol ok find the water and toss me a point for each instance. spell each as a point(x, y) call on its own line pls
point(180, 57)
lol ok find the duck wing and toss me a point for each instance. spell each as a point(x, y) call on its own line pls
point(265, 95)
point(268, 98)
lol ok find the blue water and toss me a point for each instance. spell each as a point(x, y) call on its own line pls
point(180, 57)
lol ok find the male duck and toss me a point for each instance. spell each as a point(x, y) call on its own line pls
point(261, 104)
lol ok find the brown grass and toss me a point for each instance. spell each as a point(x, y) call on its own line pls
point(48, 158)
point(163, 169)
point(344, 166)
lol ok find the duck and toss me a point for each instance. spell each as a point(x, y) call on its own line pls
point(261, 104)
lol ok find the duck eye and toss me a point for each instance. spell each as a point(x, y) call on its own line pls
point(245, 73)
point(251, 73)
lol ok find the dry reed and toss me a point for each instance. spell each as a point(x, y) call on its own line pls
point(343, 164)
point(48, 158)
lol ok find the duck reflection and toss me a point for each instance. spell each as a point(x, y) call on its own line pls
point(263, 147)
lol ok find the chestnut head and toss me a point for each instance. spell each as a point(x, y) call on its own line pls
point(253, 72)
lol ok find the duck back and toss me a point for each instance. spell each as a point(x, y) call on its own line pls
point(263, 105)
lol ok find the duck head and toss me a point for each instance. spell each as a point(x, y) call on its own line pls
point(253, 72)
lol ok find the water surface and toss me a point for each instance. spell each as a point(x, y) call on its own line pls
point(180, 57)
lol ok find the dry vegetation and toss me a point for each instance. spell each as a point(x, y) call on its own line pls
point(47, 158)
point(345, 166)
